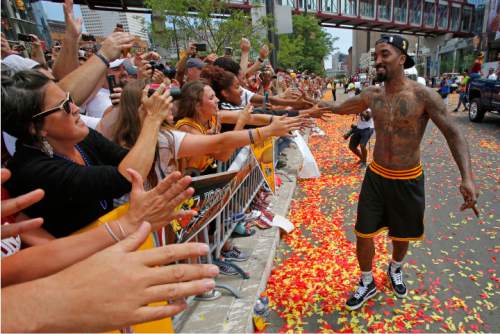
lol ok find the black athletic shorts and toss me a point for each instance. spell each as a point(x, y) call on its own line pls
point(393, 200)
point(360, 137)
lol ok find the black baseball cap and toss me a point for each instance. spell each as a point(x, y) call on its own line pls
point(401, 44)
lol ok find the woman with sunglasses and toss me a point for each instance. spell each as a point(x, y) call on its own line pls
point(80, 171)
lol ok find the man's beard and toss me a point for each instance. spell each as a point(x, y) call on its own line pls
point(381, 77)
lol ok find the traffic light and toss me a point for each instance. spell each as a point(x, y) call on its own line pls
point(20, 5)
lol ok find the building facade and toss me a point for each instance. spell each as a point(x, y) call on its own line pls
point(102, 23)
point(446, 54)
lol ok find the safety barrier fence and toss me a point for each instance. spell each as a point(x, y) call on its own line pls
point(218, 230)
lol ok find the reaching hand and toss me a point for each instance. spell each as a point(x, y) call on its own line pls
point(157, 105)
point(264, 52)
point(158, 77)
point(292, 93)
point(317, 112)
point(73, 27)
point(245, 45)
point(470, 194)
point(113, 288)
point(158, 205)
point(211, 58)
point(14, 205)
point(116, 95)
point(283, 125)
point(113, 45)
point(35, 42)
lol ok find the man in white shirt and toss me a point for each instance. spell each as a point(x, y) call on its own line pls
point(360, 135)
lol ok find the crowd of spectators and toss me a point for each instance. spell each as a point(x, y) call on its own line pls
point(86, 129)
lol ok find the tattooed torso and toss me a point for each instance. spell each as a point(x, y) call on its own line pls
point(400, 121)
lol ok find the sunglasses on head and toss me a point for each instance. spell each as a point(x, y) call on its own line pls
point(64, 105)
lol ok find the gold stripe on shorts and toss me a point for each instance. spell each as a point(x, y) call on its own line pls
point(408, 174)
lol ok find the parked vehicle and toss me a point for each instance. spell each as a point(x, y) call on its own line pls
point(483, 96)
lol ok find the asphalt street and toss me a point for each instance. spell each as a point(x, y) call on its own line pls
point(452, 273)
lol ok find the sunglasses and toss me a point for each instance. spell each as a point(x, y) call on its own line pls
point(64, 105)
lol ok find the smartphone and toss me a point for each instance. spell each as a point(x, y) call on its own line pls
point(228, 51)
point(24, 38)
point(88, 38)
point(111, 83)
point(201, 47)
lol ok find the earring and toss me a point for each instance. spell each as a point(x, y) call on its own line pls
point(46, 147)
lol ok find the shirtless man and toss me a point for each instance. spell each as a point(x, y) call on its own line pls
point(392, 195)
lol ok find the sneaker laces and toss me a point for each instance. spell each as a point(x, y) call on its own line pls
point(360, 291)
point(397, 277)
point(224, 266)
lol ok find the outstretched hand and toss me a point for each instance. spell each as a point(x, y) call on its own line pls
point(130, 281)
point(14, 205)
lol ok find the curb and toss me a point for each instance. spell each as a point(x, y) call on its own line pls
point(270, 261)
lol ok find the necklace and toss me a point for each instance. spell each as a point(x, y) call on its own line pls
point(103, 203)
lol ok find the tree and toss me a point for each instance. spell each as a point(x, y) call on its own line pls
point(306, 47)
point(203, 21)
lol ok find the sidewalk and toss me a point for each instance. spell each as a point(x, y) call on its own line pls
point(229, 314)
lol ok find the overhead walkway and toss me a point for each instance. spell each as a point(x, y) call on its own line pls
point(418, 17)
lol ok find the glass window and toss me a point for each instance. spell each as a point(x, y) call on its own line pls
point(385, 10)
point(367, 8)
point(466, 18)
point(443, 15)
point(455, 18)
point(349, 7)
point(329, 6)
point(429, 13)
point(477, 22)
point(415, 12)
point(400, 10)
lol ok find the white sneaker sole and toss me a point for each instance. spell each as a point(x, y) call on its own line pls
point(354, 308)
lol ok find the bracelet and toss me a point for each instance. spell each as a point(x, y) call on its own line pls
point(261, 139)
point(111, 233)
point(122, 230)
point(104, 60)
point(271, 119)
point(260, 60)
point(251, 136)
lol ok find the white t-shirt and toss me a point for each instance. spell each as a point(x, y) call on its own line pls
point(492, 76)
point(169, 143)
point(246, 96)
point(98, 105)
point(365, 124)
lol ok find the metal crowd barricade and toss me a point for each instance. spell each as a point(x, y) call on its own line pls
point(224, 224)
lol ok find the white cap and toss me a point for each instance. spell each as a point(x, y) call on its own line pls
point(116, 63)
point(18, 63)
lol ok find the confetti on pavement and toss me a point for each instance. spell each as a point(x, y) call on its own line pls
point(451, 274)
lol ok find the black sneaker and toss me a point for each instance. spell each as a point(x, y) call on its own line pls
point(397, 283)
point(362, 294)
point(226, 269)
point(235, 254)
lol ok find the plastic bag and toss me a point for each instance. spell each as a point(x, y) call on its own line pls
point(309, 168)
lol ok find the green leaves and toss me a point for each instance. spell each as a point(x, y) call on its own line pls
point(203, 21)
